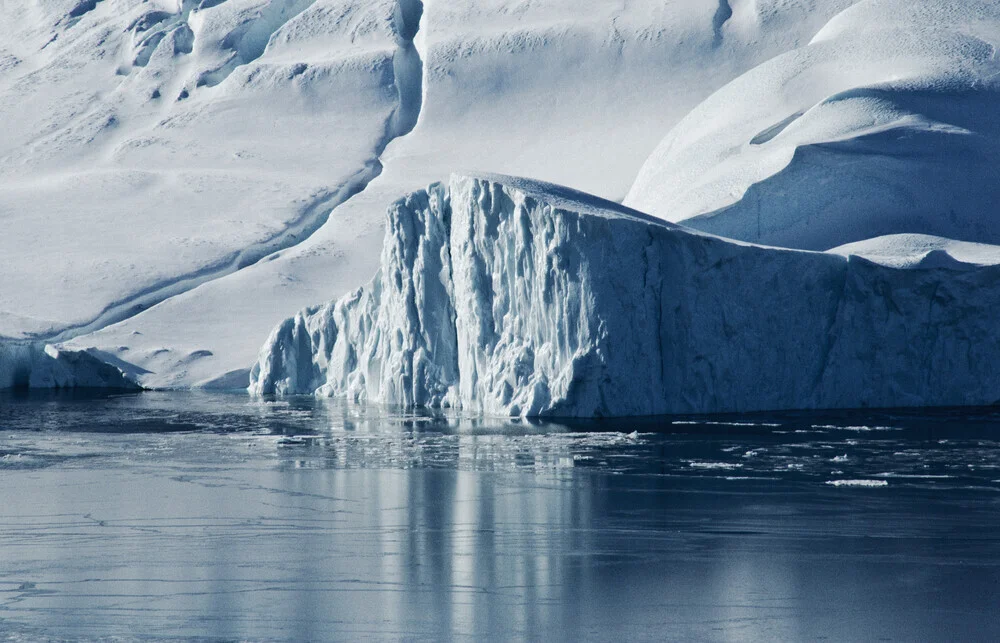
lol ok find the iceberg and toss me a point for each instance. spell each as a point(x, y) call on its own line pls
point(32, 365)
point(504, 296)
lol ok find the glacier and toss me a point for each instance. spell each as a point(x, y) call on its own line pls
point(172, 165)
point(512, 297)
point(175, 165)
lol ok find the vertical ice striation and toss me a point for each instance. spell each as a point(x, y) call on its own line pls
point(392, 340)
point(505, 296)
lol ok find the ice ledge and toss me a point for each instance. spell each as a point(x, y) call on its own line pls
point(32, 365)
point(506, 296)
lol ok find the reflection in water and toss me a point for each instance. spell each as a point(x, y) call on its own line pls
point(170, 515)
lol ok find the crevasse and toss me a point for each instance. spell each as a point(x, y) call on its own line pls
point(506, 296)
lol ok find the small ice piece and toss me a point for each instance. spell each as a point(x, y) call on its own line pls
point(714, 465)
point(35, 365)
point(858, 483)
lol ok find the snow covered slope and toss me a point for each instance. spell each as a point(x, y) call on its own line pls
point(173, 164)
point(150, 146)
point(920, 250)
point(887, 122)
point(511, 297)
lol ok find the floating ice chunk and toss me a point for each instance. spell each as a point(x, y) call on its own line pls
point(858, 483)
point(36, 366)
point(715, 465)
point(857, 428)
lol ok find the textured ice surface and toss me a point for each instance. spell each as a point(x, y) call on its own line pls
point(510, 297)
point(24, 365)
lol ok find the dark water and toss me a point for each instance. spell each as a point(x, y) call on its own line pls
point(180, 516)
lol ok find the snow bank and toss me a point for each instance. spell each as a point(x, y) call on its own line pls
point(921, 250)
point(885, 123)
point(24, 365)
point(510, 297)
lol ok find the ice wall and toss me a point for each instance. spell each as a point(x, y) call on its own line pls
point(27, 365)
point(505, 296)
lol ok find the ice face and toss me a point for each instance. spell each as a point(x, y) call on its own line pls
point(30, 365)
point(505, 296)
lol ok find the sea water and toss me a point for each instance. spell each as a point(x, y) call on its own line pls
point(218, 517)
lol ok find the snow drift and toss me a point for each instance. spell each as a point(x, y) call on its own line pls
point(505, 296)
point(886, 123)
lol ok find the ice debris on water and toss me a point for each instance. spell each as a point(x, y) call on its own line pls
point(858, 483)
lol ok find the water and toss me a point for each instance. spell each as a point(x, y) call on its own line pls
point(180, 516)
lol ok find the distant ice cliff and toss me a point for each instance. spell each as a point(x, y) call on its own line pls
point(28, 365)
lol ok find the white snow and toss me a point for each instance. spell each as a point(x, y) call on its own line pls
point(922, 251)
point(120, 202)
point(116, 193)
point(511, 297)
point(178, 176)
point(886, 123)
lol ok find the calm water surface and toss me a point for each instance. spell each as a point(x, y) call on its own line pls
point(215, 517)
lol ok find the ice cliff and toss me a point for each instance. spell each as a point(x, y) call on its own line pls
point(505, 296)
point(28, 365)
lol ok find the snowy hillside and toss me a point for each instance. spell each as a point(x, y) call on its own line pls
point(155, 152)
point(887, 122)
point(178, 176)
point(510, 297)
